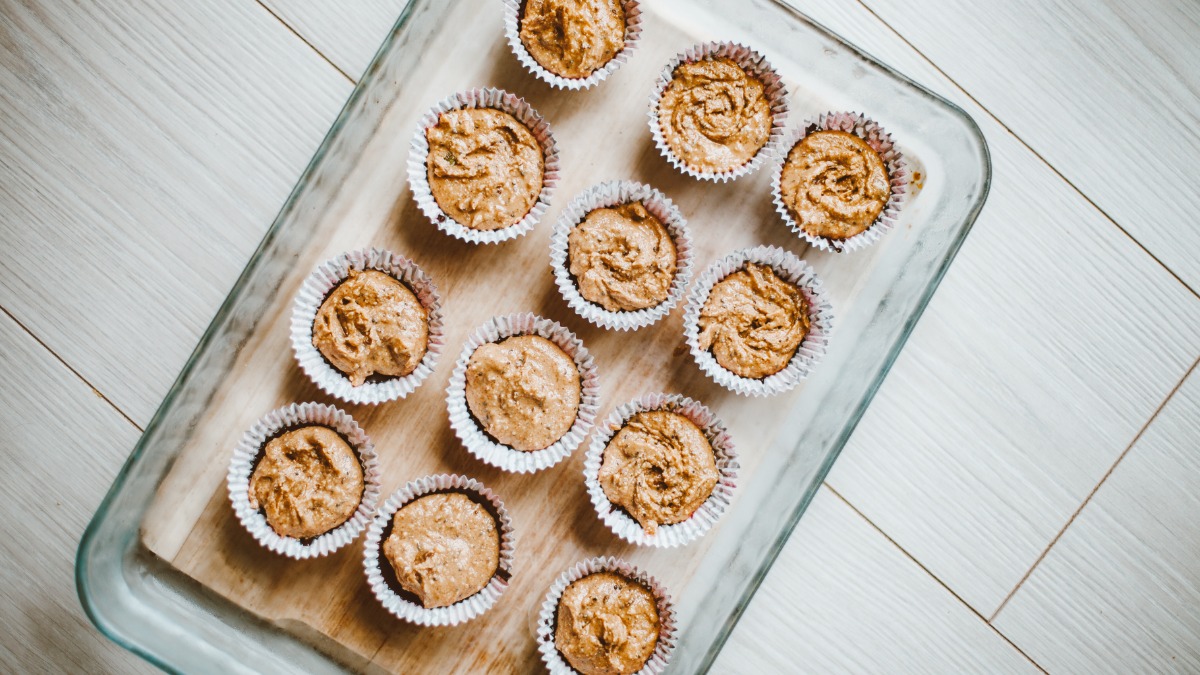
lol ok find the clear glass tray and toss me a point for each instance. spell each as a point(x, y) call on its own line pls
point(146, 582)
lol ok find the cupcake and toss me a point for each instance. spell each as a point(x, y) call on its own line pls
point(605, 617)
point(841, 182)
point(523, 394)
point(440, 551)
point(572, 44)
point(304, 480)
point(662, 472)
point(757, 321)
point(367, 326)
point(622, 255)
point(716, 111)
point(483, 166)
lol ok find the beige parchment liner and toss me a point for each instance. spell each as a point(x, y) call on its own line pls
point(512, 31)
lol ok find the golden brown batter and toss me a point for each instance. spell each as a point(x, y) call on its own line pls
point(622, 258)
point(443, 547)
point(484, 167)
point(573, 38)
point(524, 391)
point(371, 323)
point(308, 482)
point(834, 184)
point(714, 115)
point(659, 467)
point(606, 625)
point(753, 322)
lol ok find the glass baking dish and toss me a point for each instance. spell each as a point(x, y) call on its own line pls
point(179, 612)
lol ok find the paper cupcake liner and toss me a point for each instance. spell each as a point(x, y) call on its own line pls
point(811, 349)
point(610, 194)
point(752, 62)
point(418, 178)
point(512, 30)
point(880, 141)
point(548, 616)
point(700, 522)
point(472, 435)
point(252, 445)
point(463, 610)
point(321, 283)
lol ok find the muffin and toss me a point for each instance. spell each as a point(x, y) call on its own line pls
point(524, 391)
point(717, 109)
point(371, 324)
point(572, 38)
point(443, 548)
point(753, 322)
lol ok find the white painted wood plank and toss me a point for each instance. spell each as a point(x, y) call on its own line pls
point(844, 599)
point(146, 148)
point(1120, 591)
point(346, 33)
point(62, 446)
point(1107, 91)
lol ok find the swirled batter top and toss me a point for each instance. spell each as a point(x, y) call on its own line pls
point(714, 115)
point(484, 167)
point(606, 625)
point(834, 184)
point(573, 38)
point(753, 322)
point(443, 547)
point(659, 467)
point(371, 324)
point(622, 258)
point(307, 482)
point(524, 391)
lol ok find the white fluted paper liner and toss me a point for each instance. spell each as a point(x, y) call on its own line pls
point(512, 31)
point(465, 609)
point(752, 62)
point(472, 435)
point(253, 443)
point(880, 141)
point(321, 283)
point(700, 522)
point(610, 194)
point(548, 616)
point(418, 178)
point(820, 315)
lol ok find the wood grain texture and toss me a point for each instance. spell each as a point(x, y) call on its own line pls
point(146, 147)
point(348, 34)
point(840, 582)
point(1120, 591)
point(54, 477)
point(1050, 342)
point(1072, 78)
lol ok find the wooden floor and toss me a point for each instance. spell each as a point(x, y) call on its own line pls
point(1021, 496)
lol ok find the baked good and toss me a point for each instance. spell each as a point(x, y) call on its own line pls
point(371, 324)
point(622, 258)
point(307, 481)
point(572, 38)
point(659, 468)
point(753, 322)
point(485, 168)
point(443, 547)
point(834, 184)
point(606, 624)
point(524, 391)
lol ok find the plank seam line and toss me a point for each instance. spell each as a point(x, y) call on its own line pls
point(1095, 489)
point(1028, 147)
point(318, 52)
point(72, 370)
point(933, 576)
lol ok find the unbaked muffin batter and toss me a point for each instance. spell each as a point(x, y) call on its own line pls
point(606, 625)
point(834, 184)
point(573, 38)
point(308, 482)
point(443, 547)
point(753, 322)
point(622, 258)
